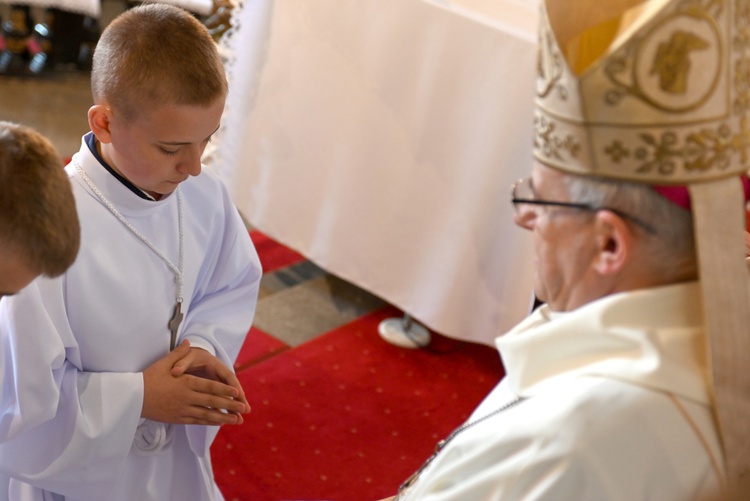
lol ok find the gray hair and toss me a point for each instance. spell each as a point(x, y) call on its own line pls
point(672, 243)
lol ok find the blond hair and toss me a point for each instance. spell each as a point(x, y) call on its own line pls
point(155, 54)
point(38, 218)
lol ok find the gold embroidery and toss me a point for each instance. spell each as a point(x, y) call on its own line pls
point(709, 147)
point(741, 44)
point(742, 24)
point(550, 144)
point(617, 151)
point(672, 61)
point(699, 151)
point(680, 67)
point(742, 84)
point(549, 67)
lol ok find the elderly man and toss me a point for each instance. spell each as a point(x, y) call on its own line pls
point(39, 231)
point(605, 396)
point(630, 382)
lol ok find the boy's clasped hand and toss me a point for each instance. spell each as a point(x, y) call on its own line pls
point(192, 386)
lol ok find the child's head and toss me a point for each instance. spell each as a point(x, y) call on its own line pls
point(159, 90)
point(39, 230)
point(156, 54)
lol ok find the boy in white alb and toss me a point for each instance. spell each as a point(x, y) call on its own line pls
point(39, 230)
point(113, 373)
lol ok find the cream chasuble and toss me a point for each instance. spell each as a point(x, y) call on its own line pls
point(615, 407)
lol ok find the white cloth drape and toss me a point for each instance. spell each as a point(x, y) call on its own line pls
point(380, 137)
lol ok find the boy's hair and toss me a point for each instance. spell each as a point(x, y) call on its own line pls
point(154, 54)
point(38, 218)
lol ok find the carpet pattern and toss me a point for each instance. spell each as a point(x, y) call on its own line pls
point(345, 416)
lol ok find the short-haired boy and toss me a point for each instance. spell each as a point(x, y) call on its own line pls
point(140, 334)
point(39, 231)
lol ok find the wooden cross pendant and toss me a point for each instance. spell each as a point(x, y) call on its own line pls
point(174, 324)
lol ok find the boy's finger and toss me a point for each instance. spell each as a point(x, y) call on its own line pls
point(232, 380)
point(180, 367)
point(177, 356)
point(211, 387)
point(180, 350)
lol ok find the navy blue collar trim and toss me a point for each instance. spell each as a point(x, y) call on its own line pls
point(90, 139)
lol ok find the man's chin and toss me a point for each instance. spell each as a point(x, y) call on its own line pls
point(539, 294)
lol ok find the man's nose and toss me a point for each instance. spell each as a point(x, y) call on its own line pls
point(525, 217)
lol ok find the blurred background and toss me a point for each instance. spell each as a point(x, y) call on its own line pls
point(377, 138)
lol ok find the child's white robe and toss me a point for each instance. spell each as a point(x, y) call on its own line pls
point(74, 348)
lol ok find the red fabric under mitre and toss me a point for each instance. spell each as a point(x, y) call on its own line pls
point(679, 195)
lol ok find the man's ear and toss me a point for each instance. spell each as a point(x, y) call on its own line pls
point(615, 242)
point(100, 117)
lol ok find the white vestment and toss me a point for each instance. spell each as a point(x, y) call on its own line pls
point(74, 348)
point(614, 406)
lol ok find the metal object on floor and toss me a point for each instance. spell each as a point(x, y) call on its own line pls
point(404, 332)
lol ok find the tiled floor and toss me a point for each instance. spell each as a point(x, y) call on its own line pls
point(56, 106)
point(300, 311)
point(296, 303)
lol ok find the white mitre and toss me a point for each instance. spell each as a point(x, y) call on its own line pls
point(654, 91)
point(657, 91)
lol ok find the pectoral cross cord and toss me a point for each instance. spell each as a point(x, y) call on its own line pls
point(177, 315)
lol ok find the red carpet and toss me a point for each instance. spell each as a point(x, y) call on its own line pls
point(273, 255)
point(257, 347)
point(347, 416)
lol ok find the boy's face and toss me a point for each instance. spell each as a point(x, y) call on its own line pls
point(163, 146)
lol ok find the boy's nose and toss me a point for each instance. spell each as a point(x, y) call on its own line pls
point(190, 165)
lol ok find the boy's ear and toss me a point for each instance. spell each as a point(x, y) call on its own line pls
point(615, 242)
point(100, 116)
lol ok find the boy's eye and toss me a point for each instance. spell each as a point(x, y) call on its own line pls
point(168, 152)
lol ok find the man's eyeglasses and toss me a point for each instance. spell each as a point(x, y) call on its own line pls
point(522, 194)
